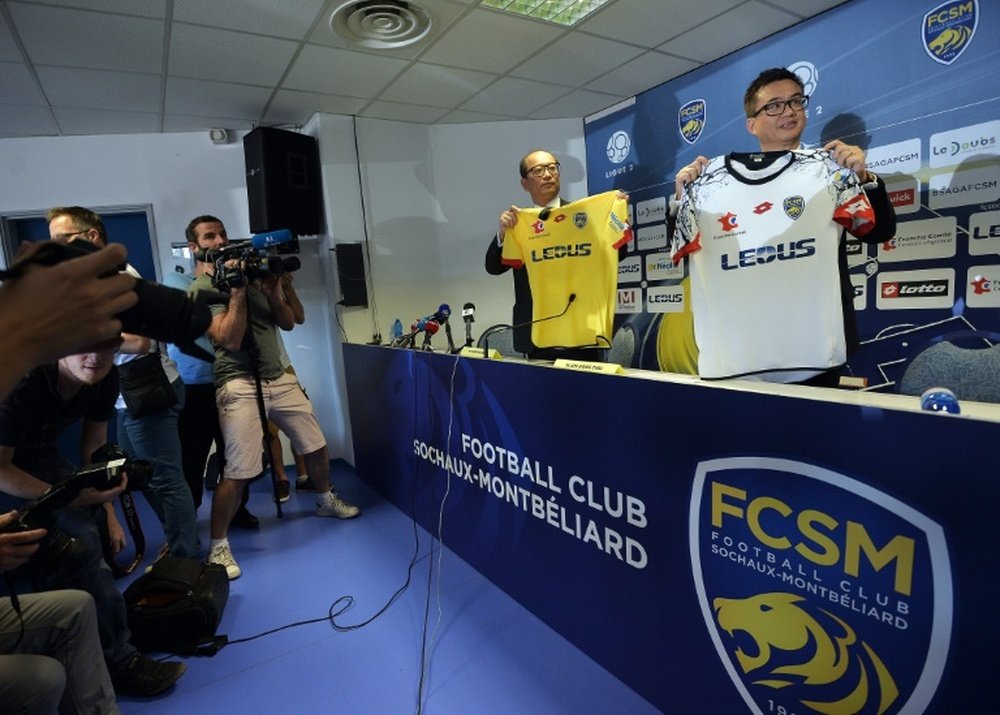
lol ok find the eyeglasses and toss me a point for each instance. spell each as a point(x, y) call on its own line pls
point(67, 237)
point(777, 107)
point(540, 170)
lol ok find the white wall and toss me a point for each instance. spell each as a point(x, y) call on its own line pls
point(431, 195)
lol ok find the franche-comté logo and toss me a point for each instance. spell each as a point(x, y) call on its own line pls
point(821, 594)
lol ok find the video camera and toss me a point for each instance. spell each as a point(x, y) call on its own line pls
point(162, 313)
point(102, 475)
point(243, 262)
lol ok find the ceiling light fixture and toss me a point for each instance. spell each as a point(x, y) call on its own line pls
point(381, 24)
point(561, 12)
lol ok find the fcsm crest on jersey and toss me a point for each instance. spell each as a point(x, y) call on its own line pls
point(820, 593)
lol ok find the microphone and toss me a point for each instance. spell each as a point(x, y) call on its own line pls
point(271, 238)
point(430, 327)
point(484, 338)
point(469, 316)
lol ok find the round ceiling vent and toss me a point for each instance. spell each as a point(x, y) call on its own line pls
point(381, 23)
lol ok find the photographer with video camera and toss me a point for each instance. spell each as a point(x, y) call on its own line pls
point(243, 332)
point(46, 401)
point(147, 427)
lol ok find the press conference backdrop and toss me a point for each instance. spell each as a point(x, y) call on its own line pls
point(913, 83)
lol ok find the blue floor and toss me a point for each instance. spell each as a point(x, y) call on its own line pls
point(484, 652)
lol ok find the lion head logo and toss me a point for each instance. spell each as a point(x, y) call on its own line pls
point(780, 645)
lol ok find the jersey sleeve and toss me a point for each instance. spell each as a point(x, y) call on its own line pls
point(853, 209)
point(511, 254)
point(618, 222)
point(686, 238)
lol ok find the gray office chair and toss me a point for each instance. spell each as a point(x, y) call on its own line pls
point(972, 373)
point(622, 351)
point(499, 337)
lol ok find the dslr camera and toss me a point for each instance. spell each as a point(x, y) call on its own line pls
point(239, 264)
point(102, 475)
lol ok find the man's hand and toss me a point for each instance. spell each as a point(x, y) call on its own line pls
point(90, 495)
point(16, 547)
point(688, 174)
point(51, 311)
point(850, 157)
point(507, 220)
point(116, 534)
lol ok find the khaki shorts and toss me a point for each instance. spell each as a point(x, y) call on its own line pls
point(285, 404)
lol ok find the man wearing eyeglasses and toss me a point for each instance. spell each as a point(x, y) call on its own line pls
point(770, 206)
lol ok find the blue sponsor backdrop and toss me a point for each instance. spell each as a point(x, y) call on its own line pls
point(915, 84)
point(592, 500)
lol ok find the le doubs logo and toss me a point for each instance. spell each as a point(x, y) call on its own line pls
point(820, 593)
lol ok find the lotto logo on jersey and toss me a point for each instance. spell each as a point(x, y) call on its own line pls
point(821, 594)
point(949, 28)
point(691, 120)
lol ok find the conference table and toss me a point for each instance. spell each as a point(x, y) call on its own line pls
point(720, 547)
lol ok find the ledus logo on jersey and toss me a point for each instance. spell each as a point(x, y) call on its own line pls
point(762, 255)
point(821, 594)
point(691, 120)
point(949, 28)
point(793, 206)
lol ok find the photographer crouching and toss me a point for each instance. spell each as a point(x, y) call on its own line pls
point(243, 331)
point(49, 399)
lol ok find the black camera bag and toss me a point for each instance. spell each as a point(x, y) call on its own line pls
point(145, 386)
point(176, 607)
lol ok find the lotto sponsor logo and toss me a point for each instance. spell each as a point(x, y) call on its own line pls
point(660, 267)
point(651, 210)
point(984, 233)
point(630, 270)
point(817, 589)
point(948, 29)
point(921, 240)
point(977, 140)
point(665, 299)
point(651, 238)
point(900, 157)
point(965, 187)
point(982, 287)
point(629, 300)
point(930, 288)
point(857, 252)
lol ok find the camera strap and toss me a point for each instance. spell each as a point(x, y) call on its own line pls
point(138, 538)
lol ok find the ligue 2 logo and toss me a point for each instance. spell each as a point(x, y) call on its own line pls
point(792, 652)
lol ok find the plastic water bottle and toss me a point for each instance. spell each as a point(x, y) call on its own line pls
point(397, 329)
point(940, 399)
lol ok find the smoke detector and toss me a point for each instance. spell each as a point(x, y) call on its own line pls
point(381, 24)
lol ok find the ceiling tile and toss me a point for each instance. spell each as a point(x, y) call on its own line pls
point(732, 31)
point(291, 107)
point(209, 53)
point(463, 116)
point(642, 73)
point(139, 8)
point(19, 86)
point(89, 39)
point(105, 121)
point(809, 8)
point(514, 97)
point(285, 18)
point(435, 85)
point(403, 112)
point(215, 99)
point(575, 59)
point(578, 103)
point(189, 123)
point(28, 122)
point(333, 71)
point(491, 42)
point(648, 23)
point(99, 89)
point(8, 48)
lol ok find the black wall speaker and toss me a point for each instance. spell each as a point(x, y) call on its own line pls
point(284, 189)
point(351, 271)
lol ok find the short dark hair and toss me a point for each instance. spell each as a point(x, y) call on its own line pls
point(775, 74)
point(522, 166)
point(82, 217)
point(190, 234)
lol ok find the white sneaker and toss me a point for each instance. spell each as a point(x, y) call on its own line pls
point(221, 554)
point(330, 504)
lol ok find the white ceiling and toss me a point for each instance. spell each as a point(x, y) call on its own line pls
point(132, 66)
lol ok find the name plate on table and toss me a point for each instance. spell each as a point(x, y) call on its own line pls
point(608, 368)
point(469, 351)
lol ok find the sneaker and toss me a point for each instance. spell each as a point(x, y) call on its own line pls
point(283, 491)
point(330, 504)
point(144, 677)
point(243, 519)
point(223, 555)
point(304, 484)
